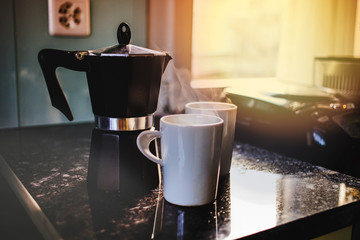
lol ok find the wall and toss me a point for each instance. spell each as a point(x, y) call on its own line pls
point(24, 100)
point(8, 94)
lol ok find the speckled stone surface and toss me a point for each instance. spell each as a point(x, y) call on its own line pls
point(266, 195)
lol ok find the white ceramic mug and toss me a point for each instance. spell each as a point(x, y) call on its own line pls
point(190, 157)
point(226, 111)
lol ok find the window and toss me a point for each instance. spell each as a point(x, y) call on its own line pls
point(233, 38)
point(266, 38)
point(228, 40)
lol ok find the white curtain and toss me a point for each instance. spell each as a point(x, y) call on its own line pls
point(314, 28)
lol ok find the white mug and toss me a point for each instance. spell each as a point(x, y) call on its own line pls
point(226, 111)
point(190, 157)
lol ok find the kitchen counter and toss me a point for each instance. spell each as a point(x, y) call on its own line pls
point(266, 195)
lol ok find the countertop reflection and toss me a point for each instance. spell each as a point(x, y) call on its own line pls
point(265, 196)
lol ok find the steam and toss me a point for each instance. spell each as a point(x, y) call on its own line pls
point(176, 91)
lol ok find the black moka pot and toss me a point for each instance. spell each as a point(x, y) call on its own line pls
point(124, 83)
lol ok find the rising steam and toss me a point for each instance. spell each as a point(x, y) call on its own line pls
point(176, 91)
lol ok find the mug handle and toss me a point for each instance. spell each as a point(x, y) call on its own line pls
point(143, 141)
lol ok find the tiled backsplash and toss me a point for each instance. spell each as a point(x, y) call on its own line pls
point(24, 99)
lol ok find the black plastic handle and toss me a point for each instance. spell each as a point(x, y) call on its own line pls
point(124, 34)
point(49, 60)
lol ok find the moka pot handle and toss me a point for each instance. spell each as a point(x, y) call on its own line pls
point(49, 60)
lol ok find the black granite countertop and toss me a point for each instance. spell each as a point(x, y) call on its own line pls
point(266, 195)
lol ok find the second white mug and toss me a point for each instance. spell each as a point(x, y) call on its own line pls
point(226, 111)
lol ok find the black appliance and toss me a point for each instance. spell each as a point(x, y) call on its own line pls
point(300, 121)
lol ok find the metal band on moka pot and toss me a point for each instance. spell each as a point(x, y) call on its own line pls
point(124, 124)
